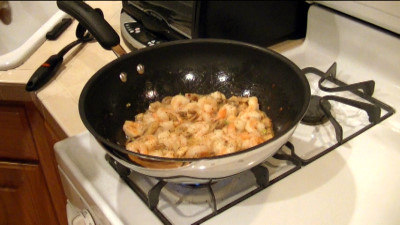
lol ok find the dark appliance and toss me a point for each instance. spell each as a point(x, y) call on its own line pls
point(145, 23)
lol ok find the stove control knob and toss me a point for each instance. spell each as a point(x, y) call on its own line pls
point(83, 218)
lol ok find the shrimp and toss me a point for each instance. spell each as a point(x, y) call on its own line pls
point(253, 103)
point(138, 147)
point(171, 140)
point(194, 126)
point(146, 118)
point(181, 151)
point(247, 115)
point(226, 111)
point(152, 128)
point(222, 147)
point(167, 125)
point(192, 107)
point(198, 129)
point(249, 141)
point(240, 124)
point(154, 106)
point(179, 101)
point(267, 122)
point(150, 141)
point(193, 97)
point(253, 126)
point(198, 151)
point(161, 115)
point(139, 117)
point(133, 129)
point(208, 104)
point(218, 96)
point(168, 154)
point(165, 138)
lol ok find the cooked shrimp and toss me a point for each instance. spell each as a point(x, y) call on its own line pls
point(247, 115)
point(161, 115)
point(178, 102)
point(167, 125)
point(253, 126)
point(240, 124)
point(199, 128)
point(253, 103)
point(253, 141)
point(222, 147)
point(198, 151)
point(137, 146)
point(154, 106)
point(208, 104)
point(194, 125)
point(218, 96)
point(133, 129)
point(150, 141)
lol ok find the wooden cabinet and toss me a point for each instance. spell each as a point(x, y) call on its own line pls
point(30, 186)
point(24, 198)
point(15, 134)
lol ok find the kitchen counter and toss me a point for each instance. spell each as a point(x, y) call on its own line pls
point(59, 98)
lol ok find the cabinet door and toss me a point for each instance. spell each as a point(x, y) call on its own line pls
point(45, 138)
point(24, 198)
point(16, 141)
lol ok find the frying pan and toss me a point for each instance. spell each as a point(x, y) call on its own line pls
point(127, 85)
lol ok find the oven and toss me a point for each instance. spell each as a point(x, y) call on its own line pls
point(339, 167)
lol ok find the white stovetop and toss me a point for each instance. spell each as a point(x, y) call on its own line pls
point(357, 183)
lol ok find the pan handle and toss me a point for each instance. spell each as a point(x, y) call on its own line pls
point(93, 22)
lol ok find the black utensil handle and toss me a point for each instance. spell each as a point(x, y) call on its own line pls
point(58, 29)
point(44, 73)
point(93, 21)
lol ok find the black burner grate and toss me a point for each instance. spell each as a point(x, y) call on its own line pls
point(364, 90)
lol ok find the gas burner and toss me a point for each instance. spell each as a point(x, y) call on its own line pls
point(350, 109)
point(195, 186)
point(208, 199)
point(315, 115)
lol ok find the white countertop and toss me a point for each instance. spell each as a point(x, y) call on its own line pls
point(61, 96)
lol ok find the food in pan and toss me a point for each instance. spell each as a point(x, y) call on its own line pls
point(195, 126)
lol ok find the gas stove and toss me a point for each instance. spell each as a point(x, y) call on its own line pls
point(339, 157)
point(325, 127)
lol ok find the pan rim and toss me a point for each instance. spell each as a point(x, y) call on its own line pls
point(110, 144)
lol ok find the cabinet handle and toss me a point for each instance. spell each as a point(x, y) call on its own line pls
point(7, 189)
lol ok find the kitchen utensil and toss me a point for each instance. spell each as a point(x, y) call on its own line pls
point(49, 68)
point(57, 30)
point(126, 86)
